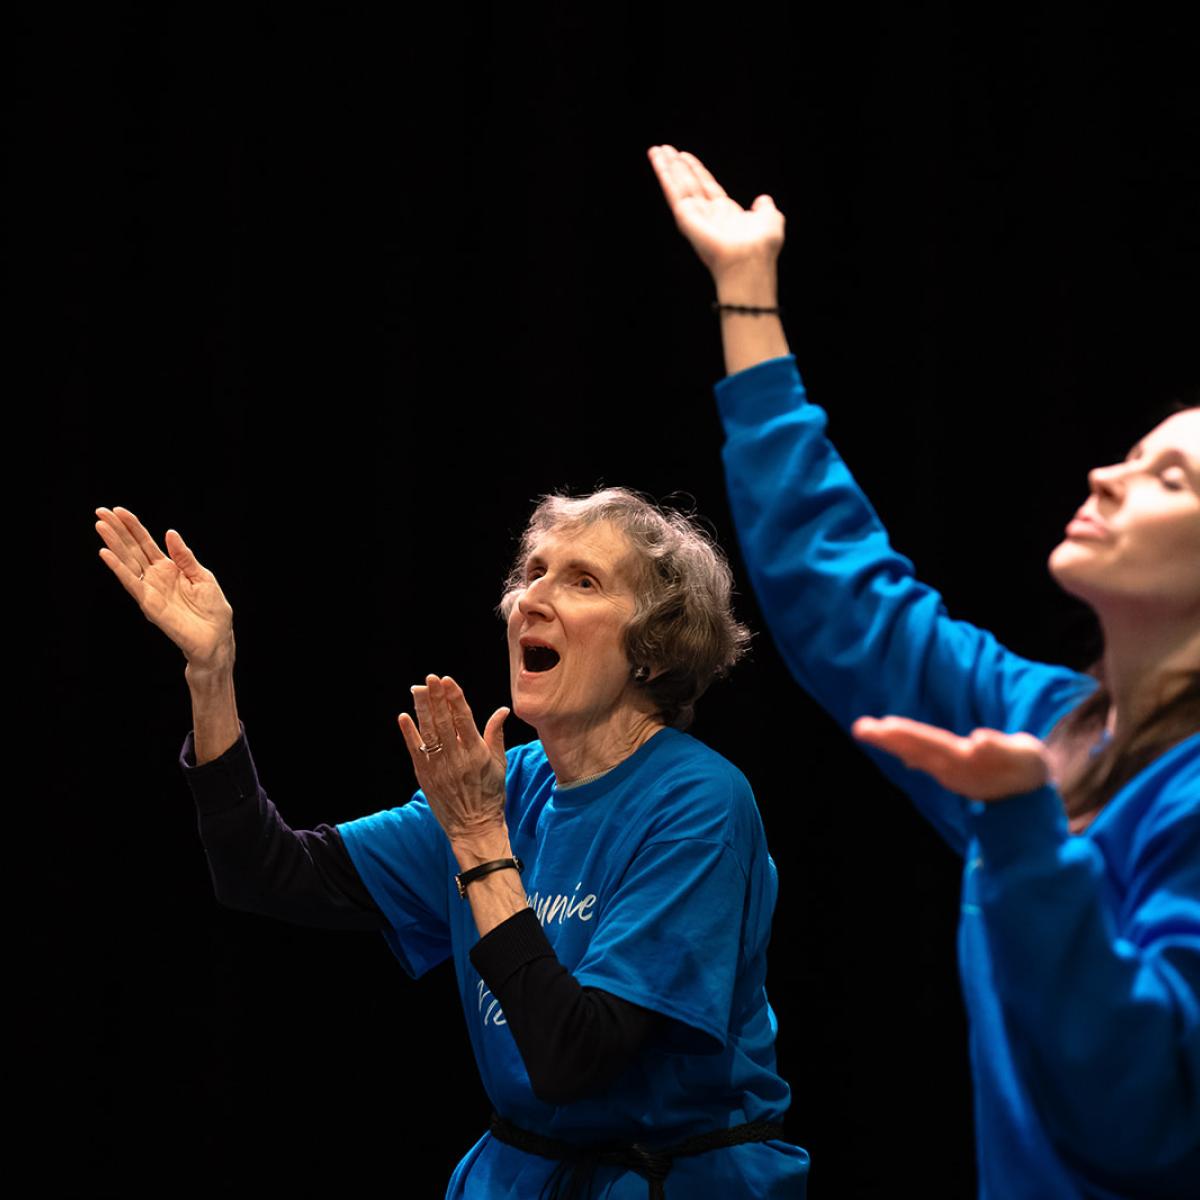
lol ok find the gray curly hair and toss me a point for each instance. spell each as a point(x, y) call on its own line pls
point(683, 630)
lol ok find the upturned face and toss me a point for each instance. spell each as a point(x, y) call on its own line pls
point(567, 661)
point(1136, 539)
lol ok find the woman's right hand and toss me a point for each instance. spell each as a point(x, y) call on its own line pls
point(726, 236)
point(173, 590)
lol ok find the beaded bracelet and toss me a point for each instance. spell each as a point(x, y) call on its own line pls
point(746, 310)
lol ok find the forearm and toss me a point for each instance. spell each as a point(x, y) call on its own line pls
point(573, 1040)
point(214, 706)
point(749, 339)
point(259, 863)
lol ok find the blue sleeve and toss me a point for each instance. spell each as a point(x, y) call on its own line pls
point(403, 858)
point(860, 633)
point(684, 928)
point(669, 937)
point(1103, 997)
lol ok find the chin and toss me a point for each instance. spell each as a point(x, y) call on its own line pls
point(1073, 568)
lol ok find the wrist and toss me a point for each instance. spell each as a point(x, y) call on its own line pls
point(211, 673)
point(475, 849)
point(749, 281)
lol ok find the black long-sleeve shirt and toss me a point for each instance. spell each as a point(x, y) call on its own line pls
point(573, 1040)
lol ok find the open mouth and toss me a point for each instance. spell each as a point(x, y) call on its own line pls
point(539, 658)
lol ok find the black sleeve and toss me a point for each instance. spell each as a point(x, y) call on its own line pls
point(258, 863)
point(574, 1040)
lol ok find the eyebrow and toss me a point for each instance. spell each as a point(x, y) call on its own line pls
point(574, 564)
point(1172, 456)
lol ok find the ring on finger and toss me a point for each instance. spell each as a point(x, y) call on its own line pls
point(434, 747)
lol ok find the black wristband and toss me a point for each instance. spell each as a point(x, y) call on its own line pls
point(746, 310)
point(499, 864)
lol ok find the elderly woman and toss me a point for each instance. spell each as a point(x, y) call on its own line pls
point(605, 891)
point(1074, 803)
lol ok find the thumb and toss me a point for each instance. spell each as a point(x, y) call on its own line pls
point(493, 732)
point(763, 204)
point(182, 556)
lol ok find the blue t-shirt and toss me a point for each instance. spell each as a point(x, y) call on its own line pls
point(652, 883)
point(1079, 955)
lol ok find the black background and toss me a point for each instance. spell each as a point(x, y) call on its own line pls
point(338, 295)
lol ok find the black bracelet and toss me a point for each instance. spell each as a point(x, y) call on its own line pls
point(746, 310)
point(499, 864)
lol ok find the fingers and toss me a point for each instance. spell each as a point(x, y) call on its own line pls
point(426, 723)
point(925, 747)
point(443, 717)
point(458, 710)
point(437, 723)
point(493, 734)
point(709, 187)
point(985, 765)
point(130, 581)
point(129, 544)
point(902, 731)
point(676, 176)
point(683, 176)
point(137, 532)
point(182, 556)
point(120, 542)
point(412, 739)
point(661, 159)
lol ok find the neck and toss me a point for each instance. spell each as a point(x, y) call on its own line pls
point(578, 749)
point(1144, 654)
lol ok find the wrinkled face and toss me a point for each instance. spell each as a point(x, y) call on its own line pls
point(567, 661)
point(1137, 537)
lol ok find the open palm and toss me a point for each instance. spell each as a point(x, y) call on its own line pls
point(172, 589)
point(720, 230)
point(984, 765)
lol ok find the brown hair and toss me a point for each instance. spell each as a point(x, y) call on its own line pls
point(1096, 772)
point(1096, 769)
point(683, 631)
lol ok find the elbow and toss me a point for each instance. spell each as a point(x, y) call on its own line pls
point(235, 894)
point(576, 1069)
point(229, 898)
point(1135, 1138)
point(562, 1086)
point(550, 1092)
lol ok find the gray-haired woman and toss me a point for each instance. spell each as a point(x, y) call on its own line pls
point(605, 892)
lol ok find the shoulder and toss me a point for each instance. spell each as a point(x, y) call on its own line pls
point(696, 792)
point(1169, 789)
point(1150, 832)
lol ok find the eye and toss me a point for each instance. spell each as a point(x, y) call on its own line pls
point(586, 581)
point(1173, 479)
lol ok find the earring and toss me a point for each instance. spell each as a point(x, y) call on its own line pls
point(641, 674)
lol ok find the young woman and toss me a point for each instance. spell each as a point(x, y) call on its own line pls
point(1075, 804)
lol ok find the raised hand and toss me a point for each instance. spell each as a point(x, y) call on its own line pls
point(173, 590)
point(461, 773)
point(723, 233)
point(986, 765)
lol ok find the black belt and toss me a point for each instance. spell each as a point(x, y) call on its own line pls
point(572, 1178)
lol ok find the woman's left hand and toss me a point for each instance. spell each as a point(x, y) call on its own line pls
point(985, 765)
point(461, 773)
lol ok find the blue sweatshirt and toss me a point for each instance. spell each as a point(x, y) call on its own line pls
point(1079, 955)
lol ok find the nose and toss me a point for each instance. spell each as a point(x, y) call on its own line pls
point(1107, 481)
point(534, 599)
